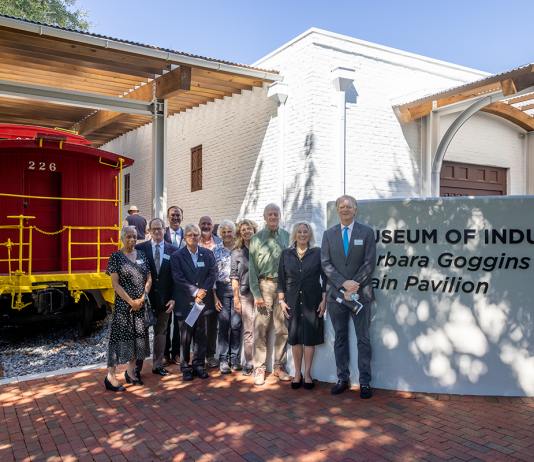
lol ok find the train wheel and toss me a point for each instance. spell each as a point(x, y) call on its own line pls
point(84, 318)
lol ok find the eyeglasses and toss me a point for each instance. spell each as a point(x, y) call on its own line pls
point(156, 230)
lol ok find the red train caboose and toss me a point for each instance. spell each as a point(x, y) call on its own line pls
point(60, 216)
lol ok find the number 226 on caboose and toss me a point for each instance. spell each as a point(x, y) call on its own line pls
point(60, 211)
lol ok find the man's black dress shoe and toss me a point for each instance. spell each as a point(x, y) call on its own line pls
point(340, 387)
point(200, 373)
point(161, 371)
point(188, 376)
point(110, 387)
point(131, 381)
point(365, 392)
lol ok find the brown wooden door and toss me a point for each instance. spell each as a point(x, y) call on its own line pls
point(457, 179)
point(45, 248)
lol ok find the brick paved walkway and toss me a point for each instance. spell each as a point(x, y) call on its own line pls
point(72, 417)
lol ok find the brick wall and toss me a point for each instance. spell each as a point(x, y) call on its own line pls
point(239, 136)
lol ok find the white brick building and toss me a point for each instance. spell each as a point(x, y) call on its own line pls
point(383, 156)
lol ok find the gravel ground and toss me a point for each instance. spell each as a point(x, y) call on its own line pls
point(34, 349)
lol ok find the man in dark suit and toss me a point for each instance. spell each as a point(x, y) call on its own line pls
point(161, 294)
point(173, 235)
point(194, 271)
point(348, 258)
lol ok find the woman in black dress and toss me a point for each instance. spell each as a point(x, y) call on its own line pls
point(128, 341)
point(302, 298)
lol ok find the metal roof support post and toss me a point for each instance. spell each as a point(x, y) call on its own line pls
point(429, 143)
point(159, 159)
point(278, 93)
point(530, 163)
point(449, 135)
point(342, 80)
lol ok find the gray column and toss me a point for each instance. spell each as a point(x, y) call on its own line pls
point(159, 159)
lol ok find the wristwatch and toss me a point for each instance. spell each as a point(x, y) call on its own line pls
point(280, 300)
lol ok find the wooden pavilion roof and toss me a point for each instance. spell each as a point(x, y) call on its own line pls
point(53, 57)
point(514, 106)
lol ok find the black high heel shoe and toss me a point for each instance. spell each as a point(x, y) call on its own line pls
point(131, 381)
point(110, 387)
point(297, 385)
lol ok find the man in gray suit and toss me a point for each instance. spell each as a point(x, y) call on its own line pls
point(348, 258)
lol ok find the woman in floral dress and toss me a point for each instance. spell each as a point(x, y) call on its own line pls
point(128, 341)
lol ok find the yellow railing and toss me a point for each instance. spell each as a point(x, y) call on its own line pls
point(20, 244)
point(98, 243)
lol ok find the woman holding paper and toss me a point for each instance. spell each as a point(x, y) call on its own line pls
point(128, 340)
point(301, 293)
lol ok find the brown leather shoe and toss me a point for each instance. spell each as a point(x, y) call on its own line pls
point(165, 361)
point(281, 373)
point(259, 379)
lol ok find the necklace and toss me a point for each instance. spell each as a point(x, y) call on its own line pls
point(301, 254)
point(206, 242)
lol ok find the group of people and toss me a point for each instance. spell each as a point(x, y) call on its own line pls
point(245, 280)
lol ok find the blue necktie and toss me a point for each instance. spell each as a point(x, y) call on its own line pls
point(346, 240)
point(175, 242)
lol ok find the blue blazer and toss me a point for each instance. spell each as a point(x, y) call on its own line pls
point(167, 237)
point(187, 279)
point(162, 289)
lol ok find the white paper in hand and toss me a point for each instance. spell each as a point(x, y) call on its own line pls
point(194, 314)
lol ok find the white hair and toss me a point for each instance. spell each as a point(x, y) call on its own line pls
point(191, 226)
point(344, 197)
point(293, 237)
point(229, 224)
point(272, 206)
point(125, 229)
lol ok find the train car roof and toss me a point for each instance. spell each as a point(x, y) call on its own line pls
point(64, 149)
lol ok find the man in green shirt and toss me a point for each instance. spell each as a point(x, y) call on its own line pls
point(265, 249)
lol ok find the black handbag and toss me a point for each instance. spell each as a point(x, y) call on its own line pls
point(149, 319)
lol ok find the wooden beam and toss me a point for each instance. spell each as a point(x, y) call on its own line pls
point(494, 79)
point(174, 83)
point(520, 99)
point(512, 114)
point(526, 107)
point(178, 76)
point(96, 121)
point(508, 87)
point(102, 118)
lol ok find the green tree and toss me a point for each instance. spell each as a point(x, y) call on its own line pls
point(63, 13)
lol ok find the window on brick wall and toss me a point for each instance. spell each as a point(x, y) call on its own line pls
point(196, 168)
point(127, 189)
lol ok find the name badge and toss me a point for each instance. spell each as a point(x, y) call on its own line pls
point(358, 242)
point(200, 264)
point(139, 262)
point(166, 257)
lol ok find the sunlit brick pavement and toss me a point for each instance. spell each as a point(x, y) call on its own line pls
point(72, 417)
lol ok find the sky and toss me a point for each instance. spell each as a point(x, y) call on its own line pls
point(492, 36)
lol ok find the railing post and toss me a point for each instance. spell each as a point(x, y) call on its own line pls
point(98, 251)
point(69, 250)
point(30, 253)
point(21, 232)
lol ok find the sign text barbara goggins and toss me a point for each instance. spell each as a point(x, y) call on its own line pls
point(454, 286)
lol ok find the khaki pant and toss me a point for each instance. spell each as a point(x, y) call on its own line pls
point(262, 322)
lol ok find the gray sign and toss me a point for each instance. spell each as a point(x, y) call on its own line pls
point(454, 289)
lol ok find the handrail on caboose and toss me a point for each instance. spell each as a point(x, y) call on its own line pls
point(20, 244)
